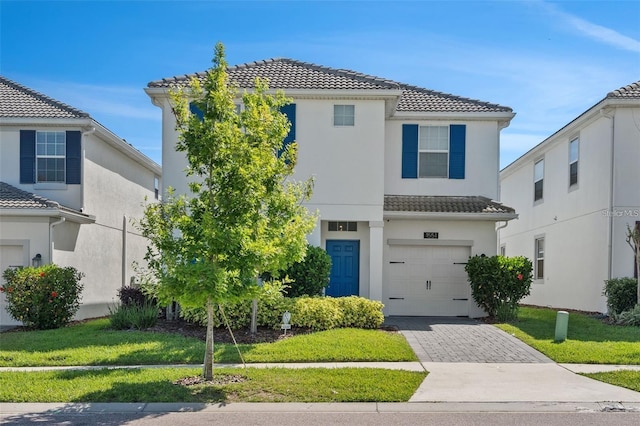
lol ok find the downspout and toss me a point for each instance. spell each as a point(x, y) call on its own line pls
point(506, 222)
point(51, 226)
point(611, 192)
point(91, 131)
point(124, 251)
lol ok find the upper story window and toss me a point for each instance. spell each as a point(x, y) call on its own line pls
point(538, 180)
point(156, 187)
point(50, 157)
point(574, 151)
point(51, 151)
point(433, 152)
point(344, 115)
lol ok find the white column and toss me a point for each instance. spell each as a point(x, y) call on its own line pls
point(315, 237)
point(376, 244)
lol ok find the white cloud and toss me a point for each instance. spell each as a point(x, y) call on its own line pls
point(594, 31)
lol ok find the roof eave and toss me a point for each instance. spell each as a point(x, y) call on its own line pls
point(71, 216)
point(86, 124)
point(592, 113)
point(492, 217)
point(466, 116)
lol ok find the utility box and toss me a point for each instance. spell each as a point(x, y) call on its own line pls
point(562, 326)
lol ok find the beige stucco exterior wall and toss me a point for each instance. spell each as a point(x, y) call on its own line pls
point(113, 190)
point(583, 225)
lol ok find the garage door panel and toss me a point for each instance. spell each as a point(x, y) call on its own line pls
point(428, 281)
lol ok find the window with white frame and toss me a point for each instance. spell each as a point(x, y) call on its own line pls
point(574, 151)
point(539, 256)
point(433, 152)
point(538, 180)
point(344, 115)
point(50, 156)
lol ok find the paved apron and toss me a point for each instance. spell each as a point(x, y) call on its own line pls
point(453, 339)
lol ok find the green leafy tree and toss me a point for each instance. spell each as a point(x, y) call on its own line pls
point(311, 274)
point(244, 216)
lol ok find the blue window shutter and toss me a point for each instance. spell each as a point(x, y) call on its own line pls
point(290, 111)
point(74, 157)
point(457, 143)
point(196, 111)
point(409, 151)
point(27, 156)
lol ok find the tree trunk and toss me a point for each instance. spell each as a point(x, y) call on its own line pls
point(207, 370)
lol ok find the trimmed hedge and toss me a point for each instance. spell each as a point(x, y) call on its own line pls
point(318, 313)
point(621, 293)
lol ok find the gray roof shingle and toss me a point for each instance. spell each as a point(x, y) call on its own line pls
point(283, 73)
point(443, 204)
point(630, 91)
point(14, 198)
point(20, 101)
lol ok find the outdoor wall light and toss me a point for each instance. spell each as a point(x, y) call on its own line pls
point(36, 260)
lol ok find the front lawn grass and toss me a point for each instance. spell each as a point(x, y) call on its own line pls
point(256, 385)
point(589, 340)
point(626, 378)
point(93, 343)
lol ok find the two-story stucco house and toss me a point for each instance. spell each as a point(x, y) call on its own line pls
point(405, 179)
point(68, 189)
point(576, 193)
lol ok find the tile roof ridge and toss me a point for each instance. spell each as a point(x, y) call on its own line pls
point(411, 87)
point(7, 188)
point(632, 87)
point(44, 98)
point(309, 65)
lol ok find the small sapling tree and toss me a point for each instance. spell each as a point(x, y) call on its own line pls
point(244, 215)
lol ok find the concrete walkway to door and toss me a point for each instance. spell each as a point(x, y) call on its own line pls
point(469, 361)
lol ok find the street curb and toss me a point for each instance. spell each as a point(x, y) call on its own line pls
point(356, 407)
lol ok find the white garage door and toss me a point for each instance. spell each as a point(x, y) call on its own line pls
point(428, 281)
point(10, 257)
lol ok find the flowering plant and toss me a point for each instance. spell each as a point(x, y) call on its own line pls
point(43, 298)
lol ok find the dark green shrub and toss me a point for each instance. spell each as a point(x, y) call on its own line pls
point(311, 275)
point(43, 298)
point(621, 294)
point(630, 317)
point(135, 316)
point(131, 296)
point(498, 283)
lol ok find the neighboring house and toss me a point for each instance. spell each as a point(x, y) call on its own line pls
point(404, 179)
point(69, 188)
point(576, 193)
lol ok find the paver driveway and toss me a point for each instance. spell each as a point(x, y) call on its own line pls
point(453, 339)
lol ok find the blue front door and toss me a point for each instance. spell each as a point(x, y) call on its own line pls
point(345, 267)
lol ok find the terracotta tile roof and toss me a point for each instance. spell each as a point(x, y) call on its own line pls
point(286, 74)
point(20, 101)
point(14, 198)
point(443, 204)
point(630, 91)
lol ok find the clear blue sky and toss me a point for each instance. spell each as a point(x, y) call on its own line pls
point(548, 60)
